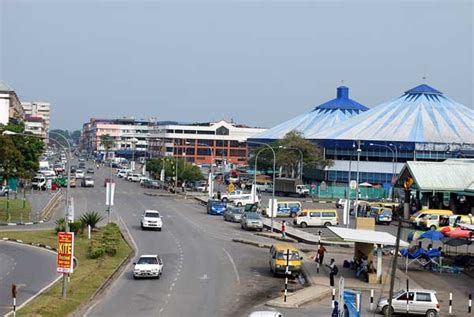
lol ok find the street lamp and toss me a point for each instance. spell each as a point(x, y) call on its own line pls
point(68, 150)
point(273, 187)
point(356, 207)
point(393, 162)
point(300, 172)
point(133, 143)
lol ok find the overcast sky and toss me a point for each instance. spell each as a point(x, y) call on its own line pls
point(256, 62)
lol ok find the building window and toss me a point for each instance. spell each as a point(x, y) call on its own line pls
point(205, 132)
point(222, 131)
point(178, 131)
point(238, 153)
point(190, 131)
point(221, 143)
point(221, 152)
point(203, 151)
point(190, 151)
point(235, 144)
point(207, 142)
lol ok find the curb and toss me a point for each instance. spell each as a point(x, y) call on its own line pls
point(159, 194)
point(23, 223)
point(38, 245)
point(255, 244)
point(261, 234)
point(278, 302)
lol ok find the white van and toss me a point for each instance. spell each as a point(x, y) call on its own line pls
point(317, 218)
point(39, 182)
point(245, 199)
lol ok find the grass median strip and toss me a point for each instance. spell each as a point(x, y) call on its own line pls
point(89, 275)
point(15, 211)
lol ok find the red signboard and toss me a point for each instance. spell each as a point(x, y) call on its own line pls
point(64, 260)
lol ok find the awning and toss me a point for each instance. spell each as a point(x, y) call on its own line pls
point(366, 236)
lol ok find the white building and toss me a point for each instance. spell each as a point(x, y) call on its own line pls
point(10, 106)
point(38, 109)
point(35, 125)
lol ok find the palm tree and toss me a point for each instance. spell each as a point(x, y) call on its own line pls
point(91, 218)
point(107, 142)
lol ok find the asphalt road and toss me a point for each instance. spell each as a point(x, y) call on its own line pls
point(30, 268)
point(205, 273)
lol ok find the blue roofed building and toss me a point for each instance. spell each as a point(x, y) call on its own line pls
point(324, 116)
point(422, 124)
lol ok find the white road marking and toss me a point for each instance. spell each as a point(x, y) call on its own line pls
point(204, 277)
point(237, 277)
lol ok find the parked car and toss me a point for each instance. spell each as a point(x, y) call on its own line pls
point(122, 173)
point(151, 219)
point(134, 177)
point(216, 207)
point(233, 195)
point(317, 218)
point(246, 199)
point(265, 313)
point(4, 190)
point(90, 170)
point(148, 266)
point(79, 174)
point(87, 182)
point(251, 221)
point(420, 302)
point(381, 215)
point(233, 214)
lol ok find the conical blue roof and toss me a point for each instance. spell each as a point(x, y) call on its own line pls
point(421, 115)
point(321, 117)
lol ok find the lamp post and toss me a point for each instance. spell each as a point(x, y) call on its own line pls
point(300, 172)
point(356, 207)
point(393, 162)
point(273, 187)
point(68, 150)
point(212, 165)
point(133, 143)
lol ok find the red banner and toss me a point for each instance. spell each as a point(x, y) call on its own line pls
point(64, 260)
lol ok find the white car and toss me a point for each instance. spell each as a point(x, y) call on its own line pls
point(265, 313)
point(79, 174)
point(151, 219)
point(87, 182)
point(134, 177)
point(122, 173)
point(148, 266)
point(246, 199)
point(225, 197)
point(420, 302)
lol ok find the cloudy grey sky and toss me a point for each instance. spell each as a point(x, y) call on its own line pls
point(257, 62)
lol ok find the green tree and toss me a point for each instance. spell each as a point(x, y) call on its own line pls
point(288, 155)
point(75, 136)
point(11, 159)
point(53, 134)
point(186, 172)
point(107, 142)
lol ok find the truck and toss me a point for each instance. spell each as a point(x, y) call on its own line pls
point(290, 186)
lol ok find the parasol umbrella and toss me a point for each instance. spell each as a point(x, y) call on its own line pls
point(455, 242)
point(365, 184)
point(459, 233)
point(432, 235)
point(414, 235)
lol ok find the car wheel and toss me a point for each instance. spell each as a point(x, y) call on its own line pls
point(261, 229)
point(431, 313)
point(385, 310)
point(159, 229)
point(134, 277)
point(327, 224)
point(433, 228)
point(239, 204)
point(304, 225)
point(292, 215)
point(225, 200)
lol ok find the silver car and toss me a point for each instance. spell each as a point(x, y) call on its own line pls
point(420, 302)
point(251, 221)
point(233, 214)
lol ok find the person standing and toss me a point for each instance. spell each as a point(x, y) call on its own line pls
point(333, 271)
point(320, 255)
point(283, 229)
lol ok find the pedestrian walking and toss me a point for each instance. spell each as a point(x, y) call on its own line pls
point(320, 254)
point(335, 311)
point(283, 229)
point(333, 272)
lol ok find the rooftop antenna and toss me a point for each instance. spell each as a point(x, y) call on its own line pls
point(424, 79)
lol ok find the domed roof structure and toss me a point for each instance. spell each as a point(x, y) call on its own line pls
point(421, 115)
point(326, 115)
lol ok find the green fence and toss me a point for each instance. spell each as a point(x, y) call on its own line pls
point(330, 191)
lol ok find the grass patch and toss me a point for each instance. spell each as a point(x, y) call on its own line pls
point(86, 279)
point(15, 212)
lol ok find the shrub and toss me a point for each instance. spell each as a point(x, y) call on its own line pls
point(91, 218)
point(60, 225)
point(75, 226)
point(106, 243)
point(96, 250)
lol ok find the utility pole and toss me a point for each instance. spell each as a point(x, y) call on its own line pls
point(394, 268)
point(357, 180)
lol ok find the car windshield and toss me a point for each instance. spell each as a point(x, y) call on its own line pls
point(253, 215)
point(293, 255)
point(236, 211)
point(148, 260)
point(152, 215)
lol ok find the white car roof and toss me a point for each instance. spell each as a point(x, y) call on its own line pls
point(152, 211)
point(149, 256)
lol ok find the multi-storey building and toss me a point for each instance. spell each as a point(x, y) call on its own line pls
point(36, 126)
point(130, 136)
point(200, 143)
point(38, 109)
point(10, 106)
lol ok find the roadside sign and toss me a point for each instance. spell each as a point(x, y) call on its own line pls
point(231, 188)
point(64, 262)
point(109, 194)
point(353, 184)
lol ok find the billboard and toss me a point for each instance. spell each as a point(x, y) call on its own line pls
point(64, 262)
